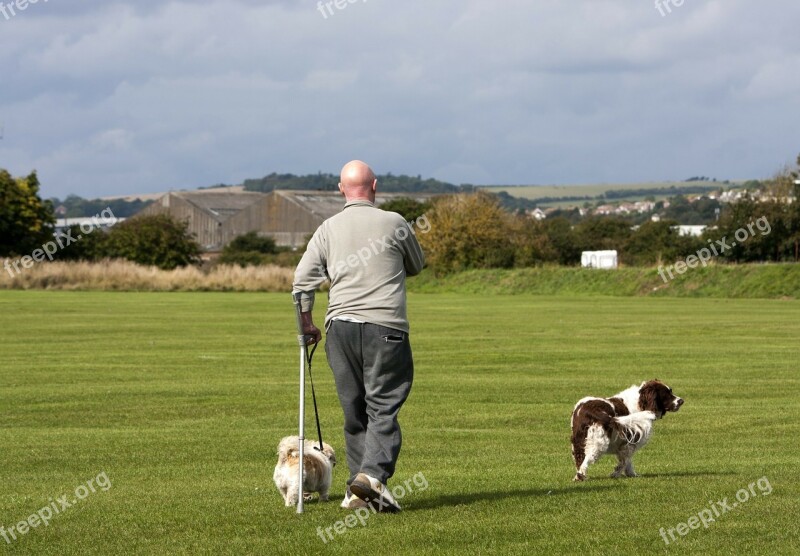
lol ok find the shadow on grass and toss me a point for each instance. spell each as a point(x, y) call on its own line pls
point(472, 497)
point(685, 474)
point(606, 483)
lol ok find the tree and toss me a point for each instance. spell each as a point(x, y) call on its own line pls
point(78, 207)
point(532, 244)
point(329, 182)
point(407, 207)
point(468, 231)
point(600, 233)
point(764, 226)
point(750, 231)
point(153, 240)
point(702, 211)
point(90, 247)
point(572, 215)
point(26, 221)
point(564, 240)
point(792, 240)
point(658, 241)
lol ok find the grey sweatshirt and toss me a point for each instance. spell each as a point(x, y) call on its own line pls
point(366, 253)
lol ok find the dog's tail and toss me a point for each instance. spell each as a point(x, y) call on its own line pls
point(636, 427)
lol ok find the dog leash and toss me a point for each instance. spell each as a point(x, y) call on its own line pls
point(314, 395)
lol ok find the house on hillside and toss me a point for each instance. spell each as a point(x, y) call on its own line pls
point(537, 214)
point(692, 231)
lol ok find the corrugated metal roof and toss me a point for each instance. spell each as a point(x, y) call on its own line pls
point(220, 205)
point(320, 203)
point(329, 203)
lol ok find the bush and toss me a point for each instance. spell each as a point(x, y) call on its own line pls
point(655, 242)
point(251, 249)
point(407, 207)
point(468, 231)
point(153, 240)
point(242, 258)
point(252, 242)
point(90, 247)
point(599, 233)
point(533, 245)
point(563, 240)
point(286, 258)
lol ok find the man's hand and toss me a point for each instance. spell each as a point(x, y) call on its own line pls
point(311, 332)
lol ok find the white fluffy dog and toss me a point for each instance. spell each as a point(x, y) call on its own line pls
point(317, 469)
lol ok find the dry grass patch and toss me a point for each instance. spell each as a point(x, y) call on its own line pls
point(118, 275)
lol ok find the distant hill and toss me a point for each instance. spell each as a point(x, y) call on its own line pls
point(522, 197)
point(329, 182)
point(572, 195)
point(154, 196)
point(78, 207)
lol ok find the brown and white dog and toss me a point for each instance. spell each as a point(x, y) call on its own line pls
point(317, 469)
point(619, 425)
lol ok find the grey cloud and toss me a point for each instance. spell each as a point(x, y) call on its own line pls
point(114, 97)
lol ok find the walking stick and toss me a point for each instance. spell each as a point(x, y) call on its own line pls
point(301, 339)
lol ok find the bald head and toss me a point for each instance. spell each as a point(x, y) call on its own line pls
point(357, 181)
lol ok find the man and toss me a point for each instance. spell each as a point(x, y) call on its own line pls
point(366, 253)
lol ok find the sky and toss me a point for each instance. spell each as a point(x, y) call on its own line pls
point(117, 97)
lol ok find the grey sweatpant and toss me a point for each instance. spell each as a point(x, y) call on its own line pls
point(373, 369)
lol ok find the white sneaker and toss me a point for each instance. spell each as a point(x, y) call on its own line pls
point(352, 502)
point(373, 492)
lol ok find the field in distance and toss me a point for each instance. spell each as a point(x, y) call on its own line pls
point(571, 193)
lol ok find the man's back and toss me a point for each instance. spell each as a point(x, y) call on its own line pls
point(367, 253)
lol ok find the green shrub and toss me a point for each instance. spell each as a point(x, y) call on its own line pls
point(252, 242)
point(153, 240)
point(252, 249)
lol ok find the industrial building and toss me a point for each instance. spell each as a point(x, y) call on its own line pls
point(289, 216)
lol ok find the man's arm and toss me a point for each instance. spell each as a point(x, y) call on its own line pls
point(310, 273)
point(413, 257)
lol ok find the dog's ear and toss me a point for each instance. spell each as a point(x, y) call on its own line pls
point(647, 398)
point(282, 451)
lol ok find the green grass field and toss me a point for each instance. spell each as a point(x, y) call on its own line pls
point(181, 398)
